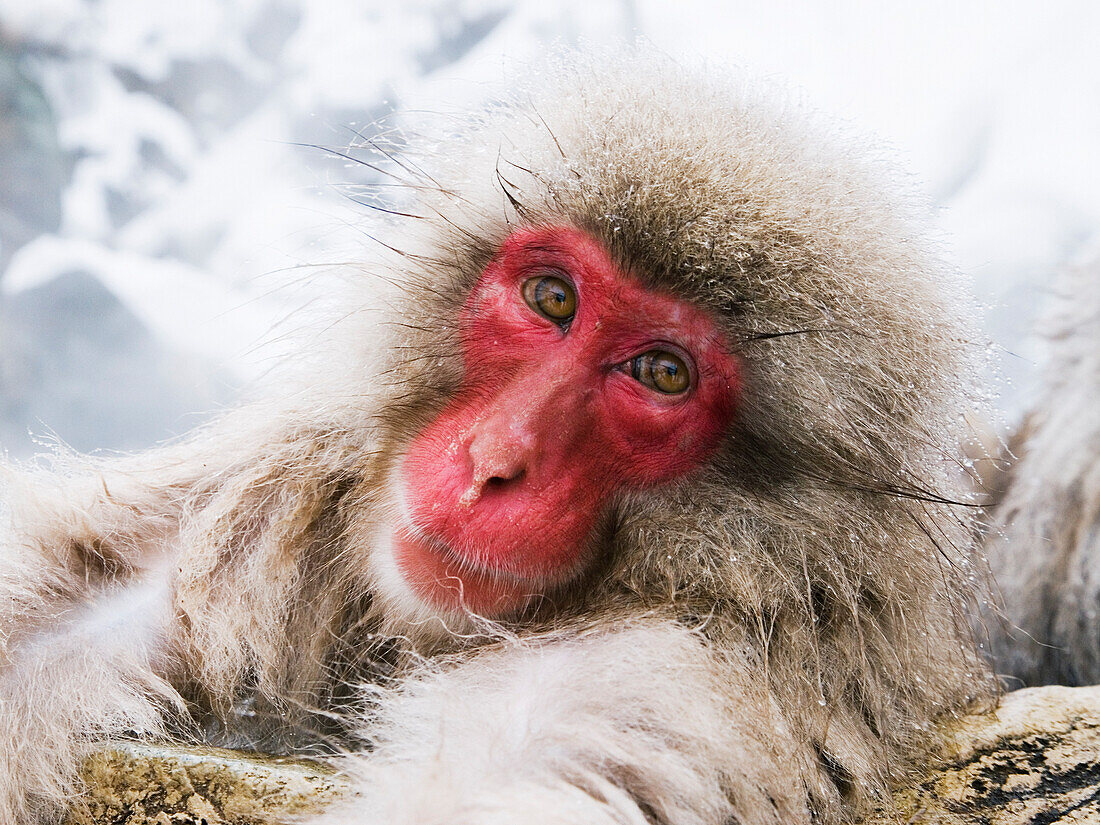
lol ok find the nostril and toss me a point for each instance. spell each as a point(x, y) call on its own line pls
point(500, 481)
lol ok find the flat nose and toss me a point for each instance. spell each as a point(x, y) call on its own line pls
point(502, 449)
point(528, 427)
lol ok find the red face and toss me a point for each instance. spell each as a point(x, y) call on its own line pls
point(579, 383)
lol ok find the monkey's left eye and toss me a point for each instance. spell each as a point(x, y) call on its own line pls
point(551, 297)
point(661, 370)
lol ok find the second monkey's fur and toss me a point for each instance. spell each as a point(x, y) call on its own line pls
point(1044, 541)
point(768, 638)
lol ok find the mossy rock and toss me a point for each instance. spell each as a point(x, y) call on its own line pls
point(141, 784)
point(1034, 760)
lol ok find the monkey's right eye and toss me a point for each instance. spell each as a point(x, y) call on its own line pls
point(551, 297)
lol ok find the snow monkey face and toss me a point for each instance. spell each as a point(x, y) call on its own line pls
point(579, 383)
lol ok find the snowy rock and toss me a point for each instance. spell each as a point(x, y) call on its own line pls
point(34, 167)
point(71, 351)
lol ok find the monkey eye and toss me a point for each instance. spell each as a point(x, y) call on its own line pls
point(551, 297)
point(662, 371)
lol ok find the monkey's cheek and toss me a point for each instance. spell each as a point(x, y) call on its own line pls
point(446, 586)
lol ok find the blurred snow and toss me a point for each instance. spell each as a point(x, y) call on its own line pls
point(157, 204)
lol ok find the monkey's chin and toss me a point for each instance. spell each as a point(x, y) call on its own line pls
point(450, 586)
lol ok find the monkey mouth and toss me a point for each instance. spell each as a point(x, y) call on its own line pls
point(440, 576)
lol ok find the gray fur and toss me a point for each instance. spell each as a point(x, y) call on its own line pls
point(1044, 542)
point(766, 641)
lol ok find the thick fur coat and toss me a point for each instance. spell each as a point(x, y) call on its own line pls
point(1044, 539)
point(764, 642)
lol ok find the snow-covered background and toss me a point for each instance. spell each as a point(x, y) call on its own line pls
point(155, 201)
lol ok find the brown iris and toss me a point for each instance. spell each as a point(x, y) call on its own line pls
point(551, 297)
point(661, 370)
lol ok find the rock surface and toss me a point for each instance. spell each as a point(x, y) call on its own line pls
point(139, 784)
point(1035, 760)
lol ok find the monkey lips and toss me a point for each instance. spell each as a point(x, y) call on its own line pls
point(446, 580)
point(580, 383)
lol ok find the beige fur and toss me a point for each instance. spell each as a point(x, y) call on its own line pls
point(764, 642)
point(1044, 542)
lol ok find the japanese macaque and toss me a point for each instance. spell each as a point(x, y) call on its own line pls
point(1044, 542)
point(639, 508)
